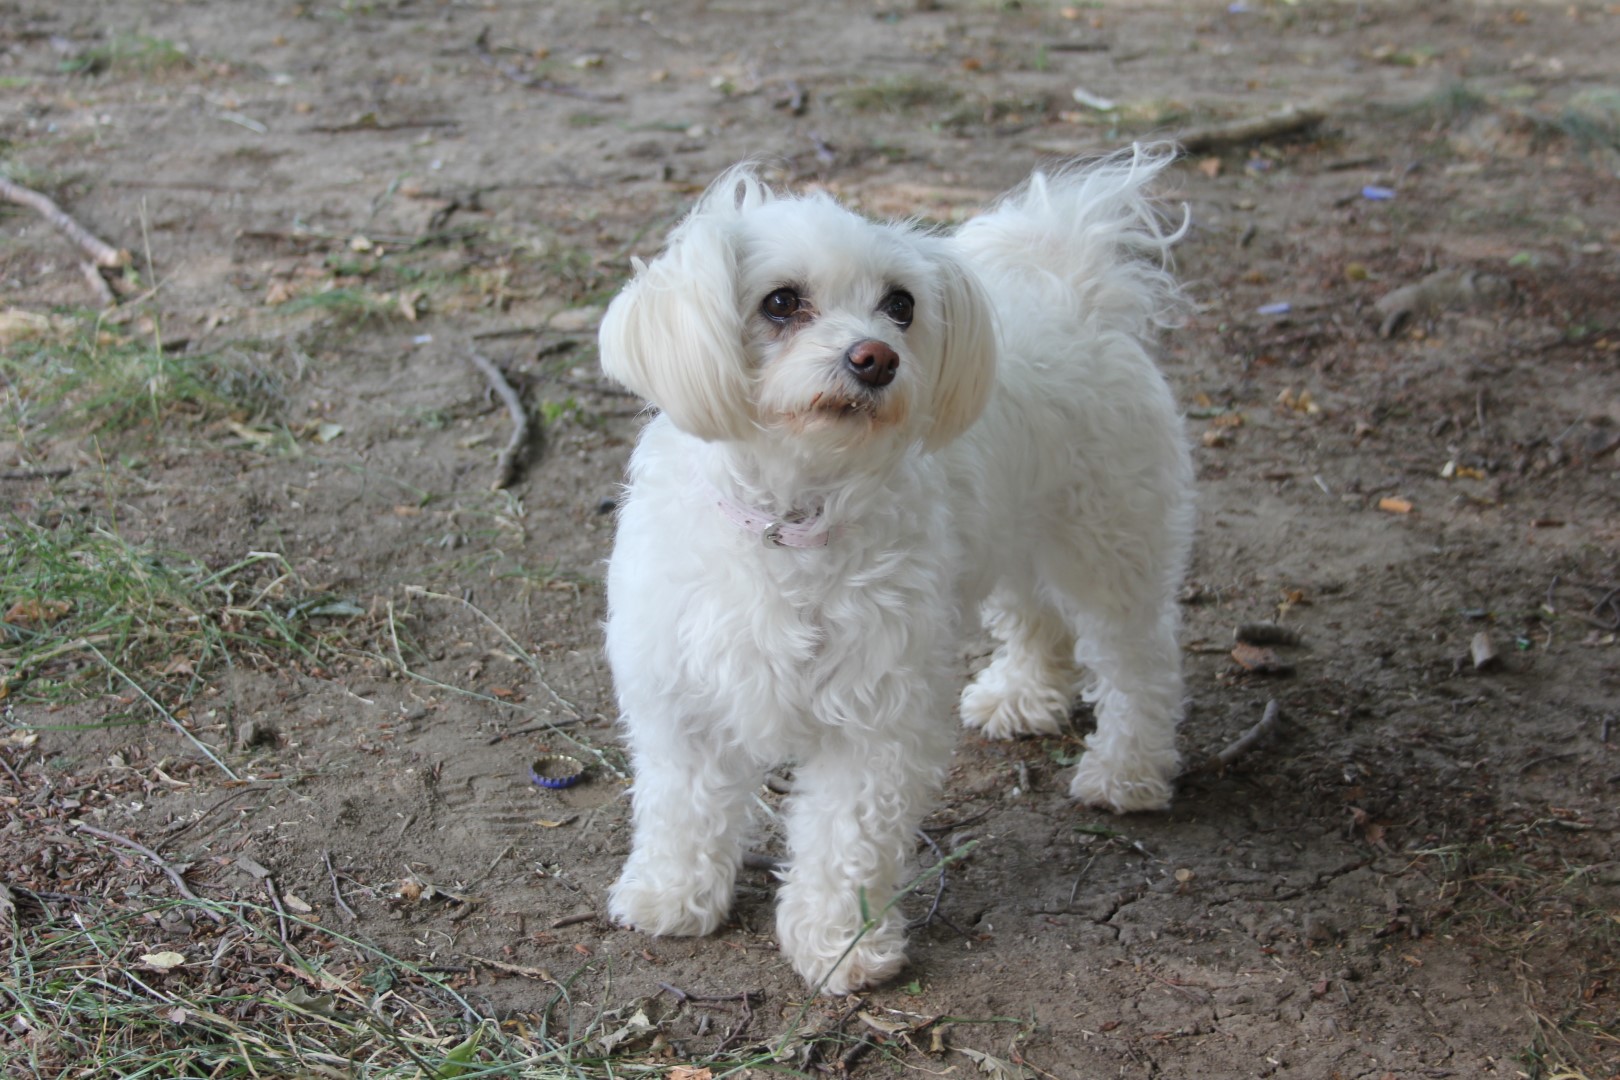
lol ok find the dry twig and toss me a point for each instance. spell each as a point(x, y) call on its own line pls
point(507, 465)
point(337, 893)
point(1285, 121)
point(173, 874)
point(37, 474)
point(97, 250)
point(1243, 744)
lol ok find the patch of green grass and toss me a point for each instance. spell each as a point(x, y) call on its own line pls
point(95, 379)
point(997, 110)
point(347, 307)
point(97, 993)
point(83, 611)
point(95, 987)
point(108, 981)
point(131, 55)
point(1452, 104)
point(1532, 895)
point(1592, 119)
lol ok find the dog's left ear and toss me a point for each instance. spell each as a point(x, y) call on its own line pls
point(967, 351)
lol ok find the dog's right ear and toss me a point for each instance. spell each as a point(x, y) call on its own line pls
point(675, 334)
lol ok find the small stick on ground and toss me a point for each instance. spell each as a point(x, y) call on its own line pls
point(173, 874)
point(939, 892)
point(1265, 633)
point(1243, 744)
point(1284, 121)
point(747, 997)
point(281, 912)
point(507, 465)
point(337, 893)
point(574, 919)
point(532, 728)
point(102, 255)
point(37, 474)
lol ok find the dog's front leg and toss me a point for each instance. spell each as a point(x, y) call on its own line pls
point(850, 825)
point(690, 812)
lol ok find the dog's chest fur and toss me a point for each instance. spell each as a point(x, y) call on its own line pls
point(820, 639)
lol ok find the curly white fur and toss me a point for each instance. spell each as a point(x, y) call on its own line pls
point(1025, 461)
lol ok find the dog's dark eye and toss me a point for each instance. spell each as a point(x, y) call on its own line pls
point(898, 306)
point(781, 305)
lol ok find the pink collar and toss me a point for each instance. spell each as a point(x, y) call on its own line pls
point(805, 532)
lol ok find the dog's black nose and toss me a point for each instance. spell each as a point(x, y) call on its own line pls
point(872, 362)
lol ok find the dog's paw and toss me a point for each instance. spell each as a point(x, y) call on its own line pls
point(1000, 709)
point(680, 904)
point(1123, 786)
point(823, 964)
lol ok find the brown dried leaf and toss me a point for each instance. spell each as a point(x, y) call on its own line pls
point(1259, 660)
point(33, 611)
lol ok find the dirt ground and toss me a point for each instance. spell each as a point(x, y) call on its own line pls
point(1415, 878)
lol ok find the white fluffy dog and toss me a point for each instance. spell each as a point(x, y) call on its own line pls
point(867, 430)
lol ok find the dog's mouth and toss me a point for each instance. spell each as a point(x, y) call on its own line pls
point(840, 405)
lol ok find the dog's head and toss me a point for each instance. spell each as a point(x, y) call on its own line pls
point(790, 318)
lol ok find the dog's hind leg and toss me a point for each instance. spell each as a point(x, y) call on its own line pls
point(1028, 686)
point(690, 811)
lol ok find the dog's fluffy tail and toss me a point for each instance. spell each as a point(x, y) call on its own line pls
point(1087, 234)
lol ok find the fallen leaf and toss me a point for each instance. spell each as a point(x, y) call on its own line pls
point(162, 961)
point(637, 1026)
point(881, 1026)
point(294, 903)
point(408, 304)
point(259, 437)
point(32, 611)
point(687, 1072)
point(257, 869)
point(15, 325)
point(995, 1067)
point(1259, 660)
